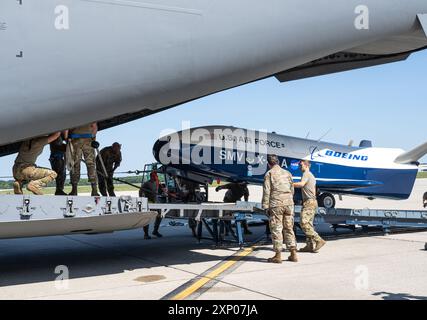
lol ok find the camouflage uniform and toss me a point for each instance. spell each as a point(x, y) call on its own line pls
point(150, 190)
point(81, 146)
point(278, 199)
point(25, 169)
point(111, 161)
point(309, 208)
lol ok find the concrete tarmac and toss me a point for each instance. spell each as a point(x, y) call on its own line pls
point(123, 265)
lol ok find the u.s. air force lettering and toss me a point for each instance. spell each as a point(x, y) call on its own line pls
point(249, 141)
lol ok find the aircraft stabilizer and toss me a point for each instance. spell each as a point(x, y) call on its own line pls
point(413, 155)
point(423, 20)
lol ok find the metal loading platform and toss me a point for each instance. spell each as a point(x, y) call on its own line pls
point(33, 216)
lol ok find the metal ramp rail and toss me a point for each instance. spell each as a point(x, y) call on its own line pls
point(385, 219)
point(337, 218)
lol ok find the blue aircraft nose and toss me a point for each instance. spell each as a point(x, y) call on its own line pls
point(157, 148)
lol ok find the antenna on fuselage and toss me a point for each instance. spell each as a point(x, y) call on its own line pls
point(327, 132)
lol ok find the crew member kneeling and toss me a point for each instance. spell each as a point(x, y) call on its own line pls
point(25, 169)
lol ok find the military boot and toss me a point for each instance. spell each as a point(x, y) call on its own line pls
point(94, 190)
point(74, 191)
point(277, 258)
point(308, 248)
point(157, 234)
point(35, 188)
point(293, 257)
point(17, 187)
point(319, 245)
point(60, 192)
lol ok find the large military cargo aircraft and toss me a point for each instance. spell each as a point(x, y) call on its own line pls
point(64, 63)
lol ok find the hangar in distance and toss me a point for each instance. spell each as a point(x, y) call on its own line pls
point(66, 63)
point(239, 155)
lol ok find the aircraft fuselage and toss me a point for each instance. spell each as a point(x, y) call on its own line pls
point(64, 63)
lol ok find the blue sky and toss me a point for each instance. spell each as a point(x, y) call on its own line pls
point(385, 104)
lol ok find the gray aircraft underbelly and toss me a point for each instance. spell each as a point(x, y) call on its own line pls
point(66, 63)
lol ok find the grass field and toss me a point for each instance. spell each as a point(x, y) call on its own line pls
point(125, 187)
point(422, 175)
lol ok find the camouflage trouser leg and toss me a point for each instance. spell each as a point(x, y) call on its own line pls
point(307, 220)
point(89, 155)
point(39, 176)
point(82, 148)
point(282, 225)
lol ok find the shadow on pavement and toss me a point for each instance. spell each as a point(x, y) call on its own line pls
point(33, 260)
point(398, 296)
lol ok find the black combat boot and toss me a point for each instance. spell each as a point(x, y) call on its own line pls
point(146, 233)
point(73, 190)
point(157, 234)
point(94, 190)
point(60, 192)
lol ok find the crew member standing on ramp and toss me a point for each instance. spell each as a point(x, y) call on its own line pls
point(150, 190)
point(81, 145)
point(278, 200)
point(309, 209)
point(25, 169)
point(112, 157)
point(57, 162)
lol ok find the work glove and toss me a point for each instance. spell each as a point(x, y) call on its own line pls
point(95, 144)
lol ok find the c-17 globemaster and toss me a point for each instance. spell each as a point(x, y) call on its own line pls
point(64, 63)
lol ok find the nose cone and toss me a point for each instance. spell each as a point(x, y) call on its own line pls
point(158, 145)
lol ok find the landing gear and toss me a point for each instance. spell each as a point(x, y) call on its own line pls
point(327, 200)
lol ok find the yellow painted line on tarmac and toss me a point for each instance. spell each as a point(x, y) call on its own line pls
point(213, 274)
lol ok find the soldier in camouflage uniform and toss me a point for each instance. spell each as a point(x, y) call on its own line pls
point(308, 187)
point(150, 190)
point(25, 169)
point(235, 192)
point(81, 143)
point(278, 199)
point(112, 157)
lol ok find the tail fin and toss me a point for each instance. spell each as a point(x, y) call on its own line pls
point(422, 18)
point(412, 156)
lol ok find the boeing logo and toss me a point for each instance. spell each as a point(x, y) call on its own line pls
point(344, 155)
